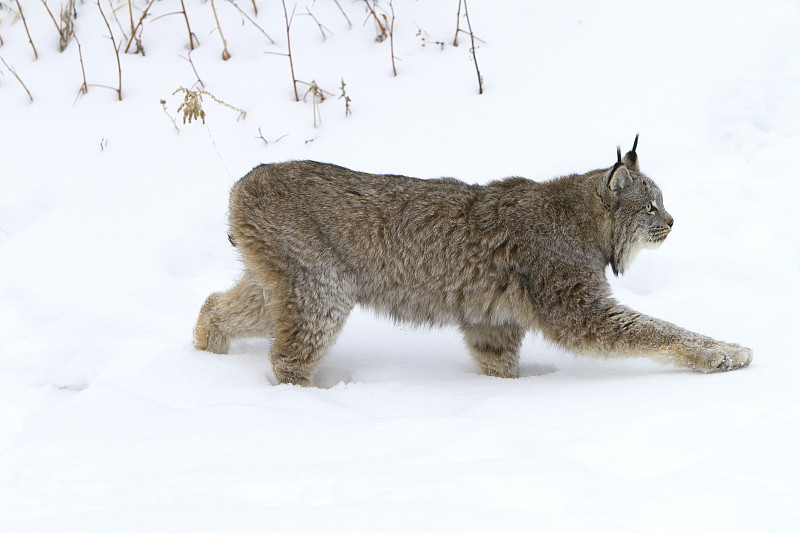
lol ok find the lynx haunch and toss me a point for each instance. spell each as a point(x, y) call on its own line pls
point(496, 260)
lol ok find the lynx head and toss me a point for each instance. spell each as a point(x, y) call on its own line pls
point(636, 209)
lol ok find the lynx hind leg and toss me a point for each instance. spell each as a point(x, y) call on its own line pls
point(308, 318)
point(495, 348)
point(239, 312)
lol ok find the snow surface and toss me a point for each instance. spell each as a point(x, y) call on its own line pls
point(112, 233)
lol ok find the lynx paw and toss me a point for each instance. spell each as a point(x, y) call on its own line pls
point(292, 378)
point(730, 357)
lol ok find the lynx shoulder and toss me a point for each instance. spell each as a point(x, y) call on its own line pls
point(496, 260)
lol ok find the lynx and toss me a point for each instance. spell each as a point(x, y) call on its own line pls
point(496, 260)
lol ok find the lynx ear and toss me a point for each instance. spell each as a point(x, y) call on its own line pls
point(631, 160)
point(617, 174)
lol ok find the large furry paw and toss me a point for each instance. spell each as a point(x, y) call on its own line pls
point(728, 357)
point(209, 338)
point(291, 378)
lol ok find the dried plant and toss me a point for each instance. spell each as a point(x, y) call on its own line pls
point(425, 38)
point(472, 49)
point(225, 54)
point(135, 29)
point(25, 23)
point(322, 27)
point(66, 33)
point(347, 100)
point(84, 87)
point(245, 15)
point(379, 27)
point(65, 28)
point(391, 38)
point(458, 23)
point(349, 24)
point(192, 106)
point(289, 46)
point(199, 81)
point(116, 50)
point(317, 97)
point(192, 36)
point(264, 139)
point(68, 15)
point(164, 107)
point(14, 72)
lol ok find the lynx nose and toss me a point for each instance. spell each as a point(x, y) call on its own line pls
point(670, 221)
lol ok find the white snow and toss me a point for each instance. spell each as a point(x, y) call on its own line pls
point(113, 232)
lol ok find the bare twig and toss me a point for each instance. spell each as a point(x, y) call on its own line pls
point(245, 15)
point(113, 16)
point(458, 23)
point(391, 38)
point(85, 87)
point(25, 23)
point(349, 24)
point(14, 72)
point(381, 30)
point(321, 26)
point(255, 8)
point(130, 13)
point(116, 49)
point(164, 107)
point(266, 142)
point(189, 58)
point(192, 36)
point(475, 37)
point(225, 54)
point(472, 49)
point(58, 29)
point(138, 25)
point(261, 136)
point(289, 47)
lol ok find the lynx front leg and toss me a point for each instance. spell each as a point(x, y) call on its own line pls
point(612, 329)
point(495, 348)
point(239, 312)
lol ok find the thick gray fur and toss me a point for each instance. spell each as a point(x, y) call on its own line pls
point(496, 260)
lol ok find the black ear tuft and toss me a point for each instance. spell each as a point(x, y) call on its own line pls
point(613, 171)
point(631, 160)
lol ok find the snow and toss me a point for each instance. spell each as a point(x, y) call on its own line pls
point(112, 233)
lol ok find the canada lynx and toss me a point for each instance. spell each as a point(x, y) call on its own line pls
point(496, 260)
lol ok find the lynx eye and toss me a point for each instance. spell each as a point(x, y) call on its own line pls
point(650, 208)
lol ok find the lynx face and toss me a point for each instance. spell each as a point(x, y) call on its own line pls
point(639, 217)
point(643, 207)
